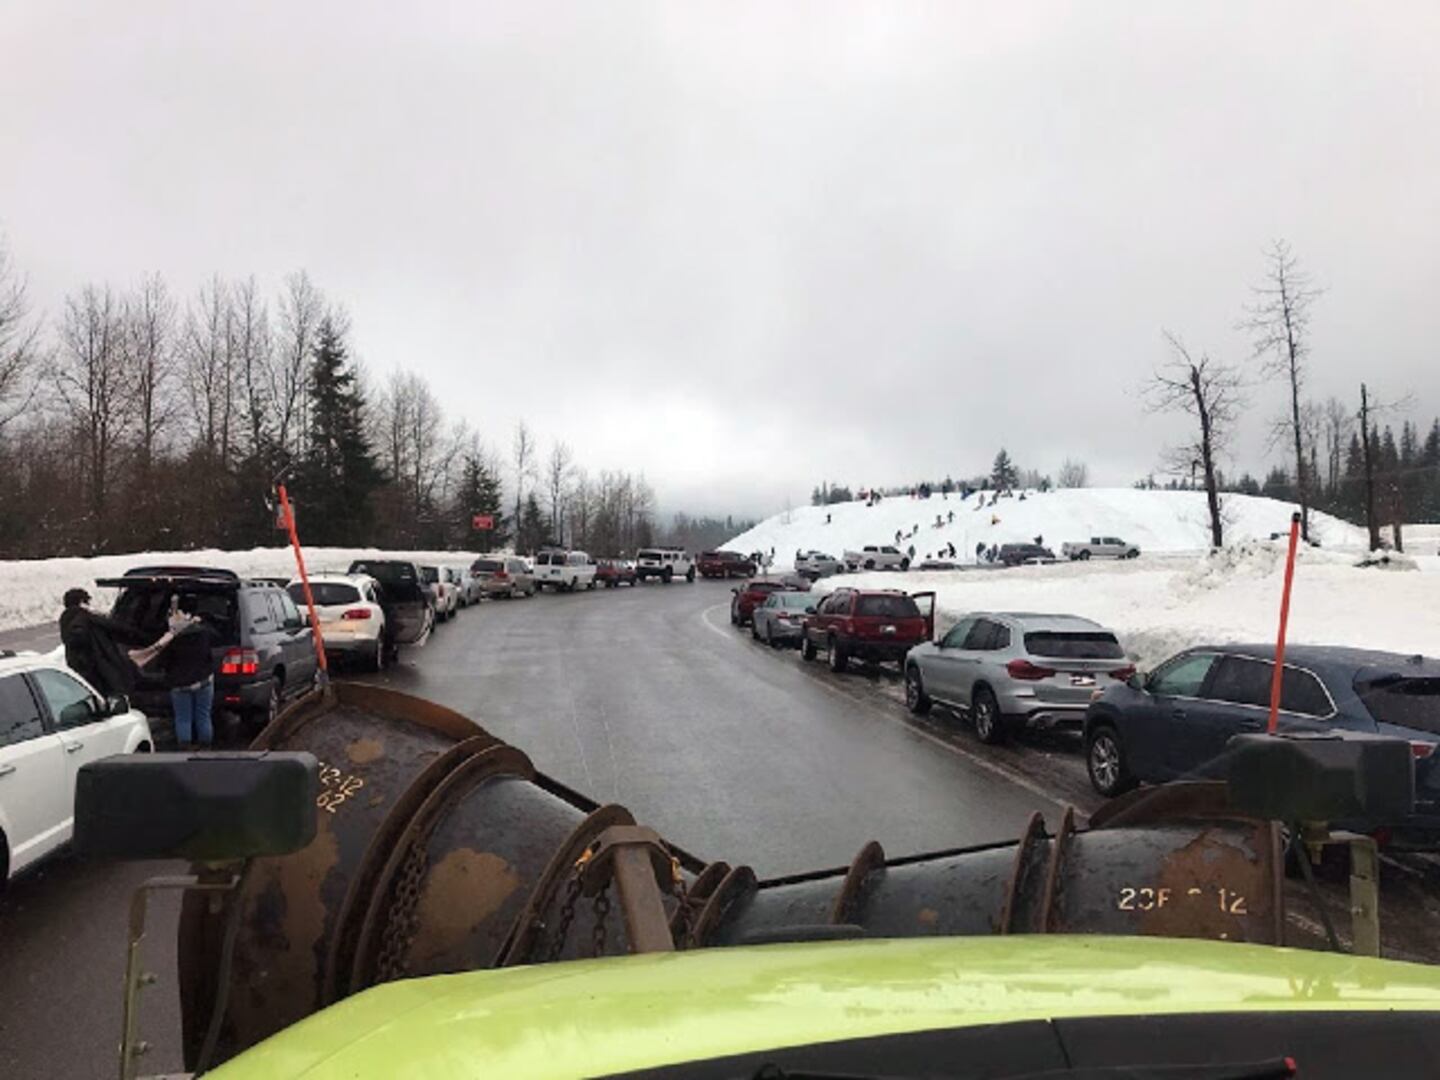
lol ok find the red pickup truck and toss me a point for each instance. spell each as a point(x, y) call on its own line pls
point(876, 625)
point(724, 564)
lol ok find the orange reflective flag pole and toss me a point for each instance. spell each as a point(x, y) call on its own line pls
point(1277, 677)
point(288, 515)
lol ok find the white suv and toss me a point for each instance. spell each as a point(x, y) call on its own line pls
point(564, 570)
point(664, 563)
point(352, 622)
point(51, 722)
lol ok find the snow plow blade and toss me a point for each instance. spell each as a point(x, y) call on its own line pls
point(440, 848)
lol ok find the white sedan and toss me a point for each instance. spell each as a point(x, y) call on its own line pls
point(51, 723)
point(352, 621)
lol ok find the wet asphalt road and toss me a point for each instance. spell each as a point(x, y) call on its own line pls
point(646, 697)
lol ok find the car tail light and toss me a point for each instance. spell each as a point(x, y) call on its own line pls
point(357, 613)
point(1421, 750)
point(240, 662)
point(501, 575)
point(1025, 671)
point(1123, 673)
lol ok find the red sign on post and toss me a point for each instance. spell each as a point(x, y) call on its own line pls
point(483, 522)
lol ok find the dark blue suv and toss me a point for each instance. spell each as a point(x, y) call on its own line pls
point(1176, 721)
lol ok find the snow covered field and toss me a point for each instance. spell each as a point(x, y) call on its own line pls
point(31, 589)
point(1172, 597)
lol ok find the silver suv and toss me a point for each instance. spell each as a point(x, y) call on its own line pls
point(1016, 669)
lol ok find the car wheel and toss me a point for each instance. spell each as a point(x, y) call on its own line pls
point(754, 630)
point(770, 638)
point(869, 564)
point(916, 700)
point(1105, 761)
point(274, 702)
point(807, 648)
point(690, 576)
point(1084, 556)
point(666, 576)
point(985, 712)
point(377, 662)
point(734, 615)
point(904, 564)
point(838, 660)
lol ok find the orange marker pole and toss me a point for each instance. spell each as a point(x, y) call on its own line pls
point(319, 640)
point(1275, 679)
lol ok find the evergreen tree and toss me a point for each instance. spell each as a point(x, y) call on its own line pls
point(533, 531)
point(1004, 474)
point(479, 493)
point(338, 474)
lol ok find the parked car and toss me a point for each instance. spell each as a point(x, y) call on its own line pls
point(779, 619)
point(442, 590)
point(877, 557)
point(874, 625)
point(564, 570)
point(409, 607)
point(267, 653)
point(467, 588)
point(352, 621)
point(1016, 669)
point(667, 564)
point(746, 598)
point(1099, 547)
point(503, 575)
point(51, 722)
point(815, 565)
point(724, 564)
point(615, 572)
point(1176, 721)
point(1019, 554)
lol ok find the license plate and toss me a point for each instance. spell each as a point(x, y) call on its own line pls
point(887, 629)
point(1082, 680)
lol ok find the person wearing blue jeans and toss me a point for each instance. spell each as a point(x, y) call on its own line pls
point(192, 706)
point(188, 663)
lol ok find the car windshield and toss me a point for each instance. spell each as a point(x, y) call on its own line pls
point(882, 451)
point(326, 593)
point(1073, 644)
point(889, 607)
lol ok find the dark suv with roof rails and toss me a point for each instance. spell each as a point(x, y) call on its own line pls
point(266, 655)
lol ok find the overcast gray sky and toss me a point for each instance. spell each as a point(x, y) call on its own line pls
point(746, 247)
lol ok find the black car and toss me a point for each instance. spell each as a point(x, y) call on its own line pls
point(1016, 554)
point(266, 654)
point(1176, 721)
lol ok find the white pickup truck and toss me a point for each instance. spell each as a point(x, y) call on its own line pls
point(877, 557)
point(1099, 547)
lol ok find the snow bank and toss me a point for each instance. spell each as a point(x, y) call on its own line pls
point(1160, 605)
point(1158, 521)
point(31, 589)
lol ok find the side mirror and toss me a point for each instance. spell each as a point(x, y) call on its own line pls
point(214, 807)
point(810, 610)
point(117, 705)
point(1138, 680)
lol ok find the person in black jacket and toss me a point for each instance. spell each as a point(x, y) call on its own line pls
point(93, 645)
point(188, 666)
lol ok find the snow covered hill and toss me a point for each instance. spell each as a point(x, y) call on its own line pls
point(1174, 596)
point(1158, 521)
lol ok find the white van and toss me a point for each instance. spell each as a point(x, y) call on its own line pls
point(665, 564)
point(564, 570)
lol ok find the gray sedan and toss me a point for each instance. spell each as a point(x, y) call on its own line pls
point(1013, 669)
point(778, 620)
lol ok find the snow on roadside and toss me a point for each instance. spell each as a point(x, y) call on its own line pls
point(1161, 605)
point(31, 589)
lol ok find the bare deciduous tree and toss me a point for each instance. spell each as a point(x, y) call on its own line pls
point(1208, 392)
point(253, 345)
point(1073, 474)
point(302, 308)
point(18, 344)
point(89, 379)
point(1337, 424)
point(1280, 322)
point(207, 366)
point(557, 484)
point(522, 457)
